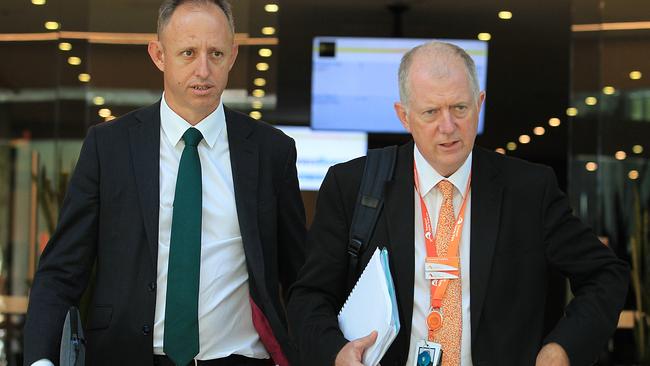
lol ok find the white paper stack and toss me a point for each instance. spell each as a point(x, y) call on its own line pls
point(372, 305)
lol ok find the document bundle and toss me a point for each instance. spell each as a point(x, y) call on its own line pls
point(372, 306)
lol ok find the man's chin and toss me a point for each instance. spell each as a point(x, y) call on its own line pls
point(452, 162)
point(205, 104)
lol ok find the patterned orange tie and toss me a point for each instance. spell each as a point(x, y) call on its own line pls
point(449, 335)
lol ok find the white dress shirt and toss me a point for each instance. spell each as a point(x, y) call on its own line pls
point(225, 321)
point(428, 178)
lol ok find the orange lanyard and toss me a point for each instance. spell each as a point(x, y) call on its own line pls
point(439, 286)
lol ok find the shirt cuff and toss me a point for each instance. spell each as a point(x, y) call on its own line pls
point(43, 362)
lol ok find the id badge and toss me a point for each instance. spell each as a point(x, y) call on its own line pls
point(428, 354)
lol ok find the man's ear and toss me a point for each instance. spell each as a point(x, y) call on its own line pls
point(400, 110)
point(156, 53)
point(481, 99)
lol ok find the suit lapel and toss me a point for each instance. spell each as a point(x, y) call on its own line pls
point(487, 191)
point(399, 209)
point(145, 152)
point(244, 159)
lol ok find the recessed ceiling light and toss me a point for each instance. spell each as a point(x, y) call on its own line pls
point(65, 46)
point(636, 75)
point(572, 112)
point(539, 131)
point(591, 166)
point(637, 149)
point(524, 139)
point(500, 150)
point(620, 155)
point(484, 36)
point(255, 114)
point(554, 122)
point(104, 112)
point(52, 25)
point(75, 61)
point(38, 2)
point(98, 100)
point(633, 174)
point(265, 52)
point(609, 90)
point(268, 31)
point(259, 82)
point(262, 66)
point(505, 15)
point(271, 8)
point(258, 93)
point(511, 146)
point(591, 101)
point(84, 77)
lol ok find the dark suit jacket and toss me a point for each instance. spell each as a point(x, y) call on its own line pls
point(110, 217)
point(521, 225)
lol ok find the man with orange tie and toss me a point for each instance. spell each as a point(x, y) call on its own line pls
point(470, 236)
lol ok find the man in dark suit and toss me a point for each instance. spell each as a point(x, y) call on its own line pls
point(498, 222)
point(190, 214)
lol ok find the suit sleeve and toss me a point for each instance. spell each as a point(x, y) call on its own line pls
point(320, 290)
point(66, 262)
point(598, 279)
point(291, 223)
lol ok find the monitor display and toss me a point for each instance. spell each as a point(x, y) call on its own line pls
point(318, 150)
point(354, 81)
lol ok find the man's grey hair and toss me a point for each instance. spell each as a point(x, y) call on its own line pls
point(168, 7)
point(440, 49)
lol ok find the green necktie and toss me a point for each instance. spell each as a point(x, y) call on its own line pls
point(181, 336)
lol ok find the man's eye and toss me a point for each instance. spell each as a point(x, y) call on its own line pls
point(461, 108)
point(217, 53)
point(430, 113)
point(187, 53)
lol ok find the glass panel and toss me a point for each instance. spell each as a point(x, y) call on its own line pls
point(609, 138)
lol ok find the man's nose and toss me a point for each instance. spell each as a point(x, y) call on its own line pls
point(202, 70)
point(447, 123)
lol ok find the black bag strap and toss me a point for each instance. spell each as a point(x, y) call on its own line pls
point(380, 164)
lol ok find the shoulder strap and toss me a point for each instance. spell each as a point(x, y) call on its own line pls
point(380, 164)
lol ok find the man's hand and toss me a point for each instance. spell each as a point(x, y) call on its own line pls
point(352, 353)
point(552, 354)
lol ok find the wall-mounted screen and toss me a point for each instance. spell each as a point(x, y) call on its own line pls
point(318, 150)
point(354, 81)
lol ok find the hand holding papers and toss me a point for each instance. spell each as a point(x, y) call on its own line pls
point(372, 306)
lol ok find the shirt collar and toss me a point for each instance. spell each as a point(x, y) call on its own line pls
point(174, 126)
point(429, 177)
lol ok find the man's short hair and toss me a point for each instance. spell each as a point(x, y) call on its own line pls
point(441, 48)
point(168, 7)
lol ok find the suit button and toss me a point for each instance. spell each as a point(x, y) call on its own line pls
point(146, 329)
point(152, 286)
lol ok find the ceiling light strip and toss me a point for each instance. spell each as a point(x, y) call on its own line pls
point(120, 38)
point(597, 27)
point(26, 37)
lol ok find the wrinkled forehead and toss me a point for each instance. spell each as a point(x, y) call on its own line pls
point(437, 64)
point(440, 69)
